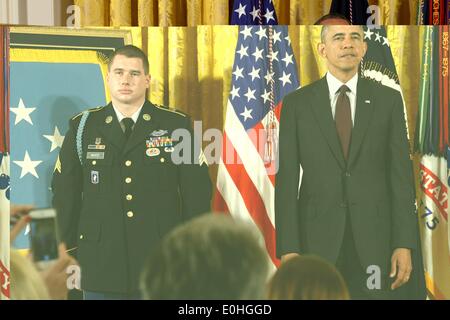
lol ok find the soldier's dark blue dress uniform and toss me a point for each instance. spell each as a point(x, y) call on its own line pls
point(116, 204)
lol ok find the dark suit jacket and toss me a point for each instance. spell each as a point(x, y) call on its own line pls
point(116, 209)
point(374, 187)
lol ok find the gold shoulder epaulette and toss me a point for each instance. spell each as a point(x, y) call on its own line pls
point(170, 110)
point(90, 110)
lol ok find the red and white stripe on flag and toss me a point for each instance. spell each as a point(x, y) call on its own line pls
point(4, 228)
point(264, 72)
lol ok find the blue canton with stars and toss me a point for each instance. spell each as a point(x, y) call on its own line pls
point(251, 78)
point(254, 12)
point(379, 55)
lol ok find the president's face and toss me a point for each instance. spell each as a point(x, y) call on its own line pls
point(127, 81)
point(343, 47)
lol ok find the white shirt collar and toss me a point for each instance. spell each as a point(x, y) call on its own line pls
point(334, 84)
point(134, 116)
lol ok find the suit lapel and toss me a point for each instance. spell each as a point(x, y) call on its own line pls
point(322, 111)
point(363, 115)
point(111, 130)
point(143, 127)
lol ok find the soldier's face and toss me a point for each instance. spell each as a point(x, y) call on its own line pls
point(343, 48)
point(127, 81)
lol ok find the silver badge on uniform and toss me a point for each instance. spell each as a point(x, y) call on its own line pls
point(159, 133)
point(95, 177)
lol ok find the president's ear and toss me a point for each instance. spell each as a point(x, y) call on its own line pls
point(321, 50)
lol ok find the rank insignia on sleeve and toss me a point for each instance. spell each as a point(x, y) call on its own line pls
point(202, 158)
point(57, 166)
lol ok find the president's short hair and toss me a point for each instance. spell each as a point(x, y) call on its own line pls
point(331, 16)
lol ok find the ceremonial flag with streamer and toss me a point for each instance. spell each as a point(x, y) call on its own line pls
point(431, 141)
point(433, 12)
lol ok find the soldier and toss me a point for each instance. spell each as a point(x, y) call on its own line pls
point(116, 189)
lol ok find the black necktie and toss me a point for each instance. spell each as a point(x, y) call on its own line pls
point(128, 124)
point(343, 119)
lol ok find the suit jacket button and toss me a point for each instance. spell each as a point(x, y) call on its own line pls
point(129, 197)
point(128, 180)
point(130, 214)
point(128, 163)
point(94, 163)
point(81, 237)
point(162, 160)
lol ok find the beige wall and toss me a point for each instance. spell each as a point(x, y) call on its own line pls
point(34, 12)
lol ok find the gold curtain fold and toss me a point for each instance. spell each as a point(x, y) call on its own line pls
point(120, 12)
point(191, 67)
point(217, 12)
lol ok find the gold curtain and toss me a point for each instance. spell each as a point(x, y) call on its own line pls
point(154, 12)
point(191, 67)
point(217, 12)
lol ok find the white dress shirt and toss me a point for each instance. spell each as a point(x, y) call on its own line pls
point(120, 116)
point(334, 85)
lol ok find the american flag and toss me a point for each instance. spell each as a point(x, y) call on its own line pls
point(264, 72)
point(434, 206)
point(253, 12)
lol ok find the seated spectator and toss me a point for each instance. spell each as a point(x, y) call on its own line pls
point(307, 278)
point(210, 257)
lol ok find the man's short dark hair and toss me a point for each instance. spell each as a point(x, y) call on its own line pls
point(211, 257)
point(332, 16)
point(324, 31)
point(131, 51)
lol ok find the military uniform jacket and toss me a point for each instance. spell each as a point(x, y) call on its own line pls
point(126, 195)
